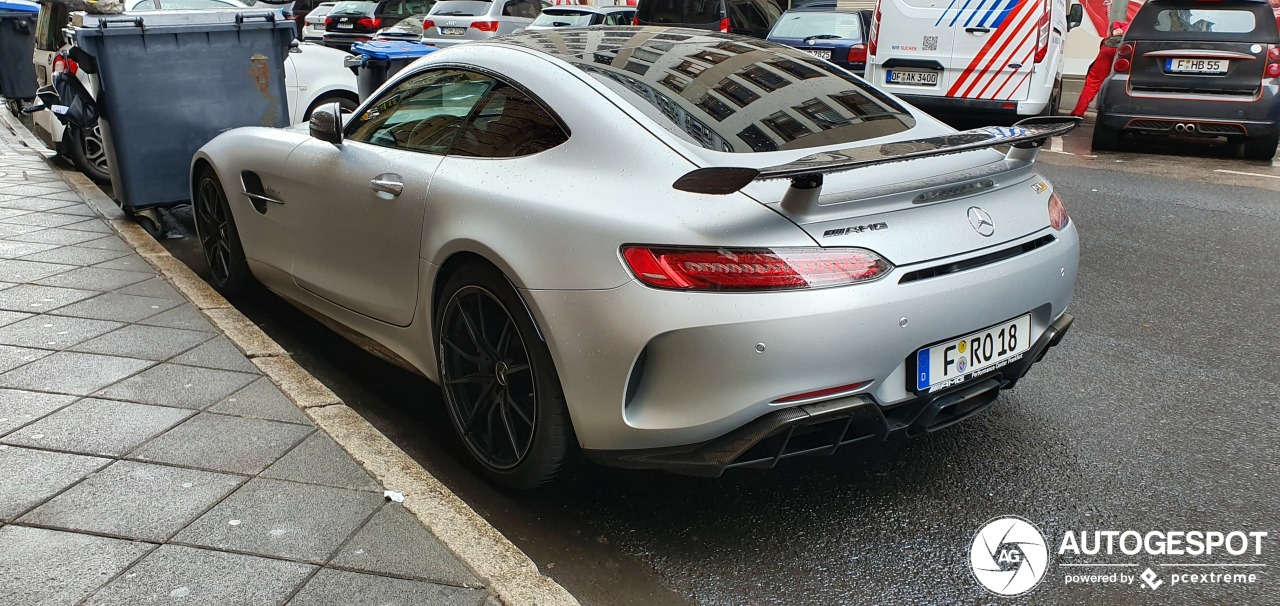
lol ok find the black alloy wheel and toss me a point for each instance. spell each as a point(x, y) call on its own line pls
point(219, 240)
point(499, 384)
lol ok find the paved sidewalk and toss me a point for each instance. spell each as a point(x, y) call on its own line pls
point(145, 460)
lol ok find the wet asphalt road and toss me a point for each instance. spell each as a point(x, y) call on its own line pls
point(1157, 412)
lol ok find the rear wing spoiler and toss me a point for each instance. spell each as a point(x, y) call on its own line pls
point(1025, 138)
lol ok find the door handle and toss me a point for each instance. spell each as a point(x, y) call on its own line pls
point(977, 30)
point(387, 184)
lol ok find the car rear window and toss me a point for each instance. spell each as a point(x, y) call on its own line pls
point(804, 24)
point(560, 17)
point(664, 12)
point(1209, 21)
point(739, 96)
point(462, 8)
point(354, 8)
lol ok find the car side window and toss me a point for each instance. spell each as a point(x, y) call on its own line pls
point(145, 5)
point(423, 113)
point(620, 18)
point(392, 9)
point(508, 124)
point(521, 8)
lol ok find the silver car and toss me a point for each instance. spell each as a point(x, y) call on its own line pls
point(456, 21)
point(655, 247)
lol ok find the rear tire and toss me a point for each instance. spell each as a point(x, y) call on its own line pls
point(1105, 138)
point(499, 381)
point(1055, 99)
point(87, 150)
point(219, 240)
point(1261, 148)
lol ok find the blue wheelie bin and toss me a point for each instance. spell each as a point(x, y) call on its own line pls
point(170, 81)
point(375, 62)
point(17, 47)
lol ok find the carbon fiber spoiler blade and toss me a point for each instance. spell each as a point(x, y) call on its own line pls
point(1026, 137)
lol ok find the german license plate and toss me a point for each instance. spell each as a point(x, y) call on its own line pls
point(346, 25)
point(917, 78)
point(958, 360)
point(821, 54)
point(453, 31)
point(1196, 66)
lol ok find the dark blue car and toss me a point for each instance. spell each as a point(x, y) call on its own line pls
point(838, 35)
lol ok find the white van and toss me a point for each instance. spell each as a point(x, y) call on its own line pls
point(952, 56)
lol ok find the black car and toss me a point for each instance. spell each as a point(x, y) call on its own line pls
point(743, 17)
point(835, 34)
point(351, 22)
point(1189, 67)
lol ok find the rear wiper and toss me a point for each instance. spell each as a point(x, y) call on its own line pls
point(823, 37)
point(454, 14)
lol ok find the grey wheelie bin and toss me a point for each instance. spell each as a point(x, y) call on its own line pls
point(169, 82)
point(17, 47)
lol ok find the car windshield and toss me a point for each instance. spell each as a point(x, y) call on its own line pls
point(354, 8)
point(659, 12)
point(805, 24)
point(1215, 21)
point(321, 10)
point(462, 8)
point(560, 17)
point(412, 24)
point(731, 95)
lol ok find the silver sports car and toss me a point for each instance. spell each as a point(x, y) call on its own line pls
point(659, 248)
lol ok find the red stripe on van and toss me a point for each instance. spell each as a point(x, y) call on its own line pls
point(1003, 36)
point(995, 93)
point(1017, 31)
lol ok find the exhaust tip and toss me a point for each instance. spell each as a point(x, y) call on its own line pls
point(1191, 128)
point(1180, 127)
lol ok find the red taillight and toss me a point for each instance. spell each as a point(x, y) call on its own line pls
point(428, 24)
point(1058, 217)
point(1042, 38)
point(1274, 54)
point(370, 22)
point(328, 22)
point(1125, 50)
point(724, 25)
point(1121, 66)
point(635, 21)
point(1273, 70)
point(830, 391)
point(875, 32)
point(747, 269)
point(1273, 65)
point(61, 63)
point(858, 53)
point(485, 26)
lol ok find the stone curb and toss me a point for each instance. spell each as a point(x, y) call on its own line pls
point(505, 570)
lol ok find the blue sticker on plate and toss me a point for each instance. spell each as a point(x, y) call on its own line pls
point(922, 369)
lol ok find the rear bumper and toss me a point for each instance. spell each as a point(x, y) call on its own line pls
point(344, 41)
point(820, 429)
point(1213, 115)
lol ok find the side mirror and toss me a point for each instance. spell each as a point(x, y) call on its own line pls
point(295, 46)
point(326, 123)
point(1075, 16)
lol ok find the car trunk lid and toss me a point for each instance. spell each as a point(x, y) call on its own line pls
point(909, 219)
point(1232, 68)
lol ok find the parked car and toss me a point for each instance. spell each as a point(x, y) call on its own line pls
point(582, 16)
point(1196, 68)
point(351, 22)
point(407, 29)
point(314, 76)
point(837, 35)
point(697, 312)
point(456, 21)
point(745, 17)
point(313, 30)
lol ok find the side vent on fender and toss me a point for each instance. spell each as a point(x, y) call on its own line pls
point(256, 192)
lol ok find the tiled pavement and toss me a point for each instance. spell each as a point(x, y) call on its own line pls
point(145, 460)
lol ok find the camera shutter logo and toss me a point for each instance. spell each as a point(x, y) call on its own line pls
point(1009, 556)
